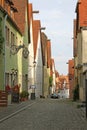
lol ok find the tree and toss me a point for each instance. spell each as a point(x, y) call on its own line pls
point(50, 80)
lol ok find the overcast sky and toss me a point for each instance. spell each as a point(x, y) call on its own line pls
point(57, 16)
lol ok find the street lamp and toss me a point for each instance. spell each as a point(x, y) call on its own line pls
point(34, 63)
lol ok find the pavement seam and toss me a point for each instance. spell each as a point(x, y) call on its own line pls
point(13, 114)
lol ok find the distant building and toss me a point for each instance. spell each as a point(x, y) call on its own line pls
point(80, 47)
point(63, 86)
point(52, 73)
point(71, 77)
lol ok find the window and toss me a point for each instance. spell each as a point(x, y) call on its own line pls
point(81, 79)
point(7, 35)
point(26, 79)
point(12, 38)
point(16, 79)
point(16, 42)
point(7, 79)
point(11, 13)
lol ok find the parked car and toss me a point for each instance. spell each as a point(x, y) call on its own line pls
point(54, 95)
point(59, 95)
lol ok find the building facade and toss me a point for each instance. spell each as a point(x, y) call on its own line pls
point(14, 54)
point(71, 77)
point(45, 70)
point(81, 47)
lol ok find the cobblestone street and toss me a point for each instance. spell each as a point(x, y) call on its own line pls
point(46, 114)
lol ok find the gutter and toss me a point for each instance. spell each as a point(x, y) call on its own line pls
point(5, 18)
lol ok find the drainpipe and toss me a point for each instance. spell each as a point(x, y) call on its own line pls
point(43, 80)
point(5, 18)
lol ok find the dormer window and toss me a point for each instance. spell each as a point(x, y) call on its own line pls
point(11, 13)
point(9, 2)
point(12, 38)
point(14, 9)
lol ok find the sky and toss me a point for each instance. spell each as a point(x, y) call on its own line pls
point(57, 16)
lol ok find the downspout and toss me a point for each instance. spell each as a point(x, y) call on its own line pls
point(42, 79)
point(5, 18)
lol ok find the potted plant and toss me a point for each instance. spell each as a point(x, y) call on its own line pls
point(24, 95)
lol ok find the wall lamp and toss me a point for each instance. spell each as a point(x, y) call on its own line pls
point(15, 49)
point(48, 40)
point(34, 63)
point(79, 66)
point(42, 28)
point(14, 71)
point(35, 11)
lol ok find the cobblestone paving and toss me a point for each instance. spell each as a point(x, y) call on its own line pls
point(48, 114)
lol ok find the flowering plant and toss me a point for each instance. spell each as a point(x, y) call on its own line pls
point(24, 94)
point(8, 89)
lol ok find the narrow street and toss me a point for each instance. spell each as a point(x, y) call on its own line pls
point(47, 114)
point(43, 55)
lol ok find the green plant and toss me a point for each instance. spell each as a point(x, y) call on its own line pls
point(24, 94)
point(50, 80)
point(1, 37)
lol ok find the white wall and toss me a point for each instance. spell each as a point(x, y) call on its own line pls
point(38, 69)
point(64, 93)
point(30, 60)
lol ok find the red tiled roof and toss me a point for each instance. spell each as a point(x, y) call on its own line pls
point(52, 61)
point(56, 73)
point(21, 6)
point(51, 66)
point(74, 40)
point(81, 11)
point(44, 47)
point(11, 19)
point(71, 65)
point(48, 53)
point(30, 12)
point(36, 31)
point(63, 78)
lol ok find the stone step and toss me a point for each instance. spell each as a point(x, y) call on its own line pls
point(3, 99)
point(3, 104)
